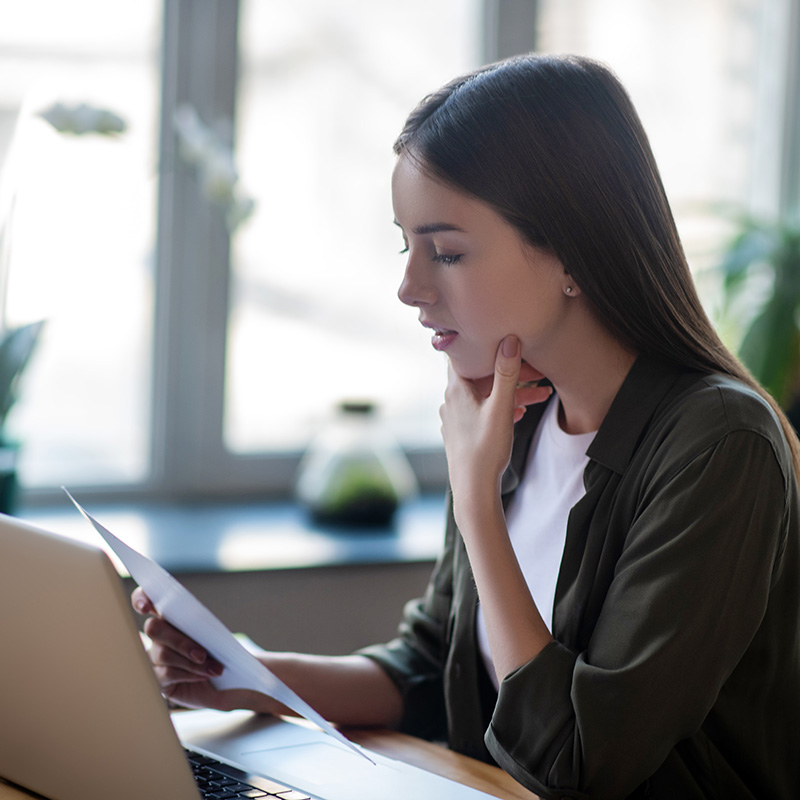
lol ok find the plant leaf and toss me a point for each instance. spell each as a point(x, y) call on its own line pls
point(771, 348)
point(753, 246)
point(16, 348)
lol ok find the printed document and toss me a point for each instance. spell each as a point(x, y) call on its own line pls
point(183, 610)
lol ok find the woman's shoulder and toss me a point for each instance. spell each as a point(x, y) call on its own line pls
point(705, 410)
point(722, 404)
point(669, 414)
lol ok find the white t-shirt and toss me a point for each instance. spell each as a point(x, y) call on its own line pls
point(537, 515)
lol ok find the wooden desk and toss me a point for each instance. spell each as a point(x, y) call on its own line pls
point(429, 756)
point(437, 758)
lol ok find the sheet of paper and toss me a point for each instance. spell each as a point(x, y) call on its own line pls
point(181, 608)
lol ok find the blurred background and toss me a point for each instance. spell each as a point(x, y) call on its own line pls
point(194, 195)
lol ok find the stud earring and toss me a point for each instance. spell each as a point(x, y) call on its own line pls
point(568, 290)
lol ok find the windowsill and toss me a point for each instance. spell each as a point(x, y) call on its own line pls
point(239, 537)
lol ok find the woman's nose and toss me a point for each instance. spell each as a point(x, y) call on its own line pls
point(415, 289)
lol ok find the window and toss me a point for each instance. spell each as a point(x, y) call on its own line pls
point(79, 222)
point(203, 379)
point(314, 317)
point(195, 341)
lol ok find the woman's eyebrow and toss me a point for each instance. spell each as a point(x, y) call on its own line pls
point(433, 227)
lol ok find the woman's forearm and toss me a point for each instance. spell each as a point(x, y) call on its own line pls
point(514, 626)
point(347, 690)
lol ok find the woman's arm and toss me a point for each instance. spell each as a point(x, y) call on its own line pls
point(514, 626)
point(688, 596)
point(348, 690)
point(477, 427)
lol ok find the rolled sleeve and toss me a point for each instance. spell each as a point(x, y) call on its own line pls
point(517, 739)
point(411, 660)
point(415, 659)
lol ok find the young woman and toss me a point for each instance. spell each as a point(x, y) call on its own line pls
point(615, 611)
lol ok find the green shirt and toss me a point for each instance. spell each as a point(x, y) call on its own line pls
point(675, 670)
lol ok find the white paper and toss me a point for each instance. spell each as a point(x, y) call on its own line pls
point(181, 608)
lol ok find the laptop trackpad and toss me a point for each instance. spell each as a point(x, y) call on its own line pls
point(317, 763)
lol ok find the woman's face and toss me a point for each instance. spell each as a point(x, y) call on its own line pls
point(472, 276)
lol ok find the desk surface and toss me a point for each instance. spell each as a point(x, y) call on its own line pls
point(437, 758)
point(429, 756)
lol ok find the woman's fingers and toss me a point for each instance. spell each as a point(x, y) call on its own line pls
point(530, 395)
point(184, 669)
point(528, 374)
point(172, 651)
point(507, 368)
point(195, 695)
point(141, 602)
point(527, 382)
point(175, 652)
point(528, 391)
point(170, 676)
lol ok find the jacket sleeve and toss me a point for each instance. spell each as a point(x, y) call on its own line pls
point(415, 659)
point(688, 595)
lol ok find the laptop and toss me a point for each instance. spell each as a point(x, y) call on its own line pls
point(82, 716)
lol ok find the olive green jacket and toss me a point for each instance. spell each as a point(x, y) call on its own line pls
point(675, 670)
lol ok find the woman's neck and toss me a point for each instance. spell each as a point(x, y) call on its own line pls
point(581, 414)
point(588, 376)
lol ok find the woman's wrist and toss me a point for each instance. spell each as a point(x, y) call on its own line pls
point(478, 509)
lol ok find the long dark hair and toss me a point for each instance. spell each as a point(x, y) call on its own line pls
point(555, 146)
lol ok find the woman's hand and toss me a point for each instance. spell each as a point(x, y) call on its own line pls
point(478, 421)
point(478, 428)
point(184, 669)
point(349, 690)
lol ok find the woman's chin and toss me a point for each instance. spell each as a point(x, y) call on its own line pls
point(471, 371)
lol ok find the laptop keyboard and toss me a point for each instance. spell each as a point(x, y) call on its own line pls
point(218, 781)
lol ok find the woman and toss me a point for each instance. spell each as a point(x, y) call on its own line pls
point(615, 612)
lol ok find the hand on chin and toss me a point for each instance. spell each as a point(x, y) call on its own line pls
point(483, 384)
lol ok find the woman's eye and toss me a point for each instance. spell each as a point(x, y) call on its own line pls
point(447, 259)
point(404, 250)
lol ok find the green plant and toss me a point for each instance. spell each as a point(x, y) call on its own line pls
point(16, 347)
point(761, 292)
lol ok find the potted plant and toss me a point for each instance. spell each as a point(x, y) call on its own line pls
point(16, 346)
point(761, 297)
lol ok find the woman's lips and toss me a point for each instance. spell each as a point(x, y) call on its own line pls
point(442, 337)
point(441, 340)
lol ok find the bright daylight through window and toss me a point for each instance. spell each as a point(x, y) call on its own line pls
point(315, 317)
point(79, 94)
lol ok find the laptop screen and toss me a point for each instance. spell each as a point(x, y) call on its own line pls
point(76, 687)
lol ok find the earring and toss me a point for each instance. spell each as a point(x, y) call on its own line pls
point(568, 290)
